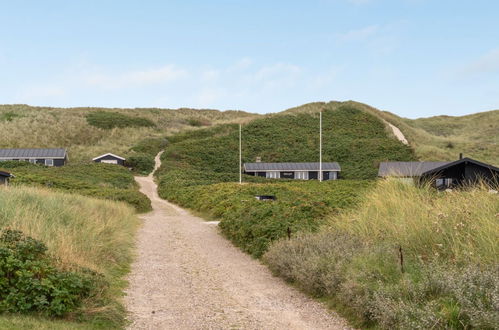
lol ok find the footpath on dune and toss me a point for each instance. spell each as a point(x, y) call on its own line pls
point(187, 276)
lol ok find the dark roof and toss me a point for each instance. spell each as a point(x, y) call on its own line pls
point(407, 169)
point(460, 161)
point(5, 174)
point(32, 153)
point(109, 154)
point(254, 167)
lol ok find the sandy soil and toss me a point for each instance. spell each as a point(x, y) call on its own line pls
point(187, 276)
point(398, 133)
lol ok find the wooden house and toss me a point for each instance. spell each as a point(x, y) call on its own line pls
point(110, 158)
point(298, 171)
point(4, 177)
point(46, 156)
point(443, 175)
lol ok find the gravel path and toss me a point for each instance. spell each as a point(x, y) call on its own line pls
point(187, 276)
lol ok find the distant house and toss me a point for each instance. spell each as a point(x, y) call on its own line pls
point(110, 158)
point(48, 156)
point(298, 171)
point(442, 175)
point(4, 177)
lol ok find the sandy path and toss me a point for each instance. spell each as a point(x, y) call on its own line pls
point(398, 133)
point(187, 276)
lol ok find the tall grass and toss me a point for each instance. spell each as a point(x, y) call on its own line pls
point(407, 257)
point(459, 226)
point(78, 231)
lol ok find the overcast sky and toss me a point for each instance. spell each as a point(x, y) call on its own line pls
point(416, 58)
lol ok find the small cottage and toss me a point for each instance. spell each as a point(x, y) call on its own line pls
point(442, 175)
point(110, 158)
point(46, 156)
point(4, 177)
point(298, 171)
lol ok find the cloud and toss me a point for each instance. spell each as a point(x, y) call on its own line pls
point(165, 74)
point(359, 34)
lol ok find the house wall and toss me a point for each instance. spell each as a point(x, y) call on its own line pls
point(109, 157)
point(3, 180)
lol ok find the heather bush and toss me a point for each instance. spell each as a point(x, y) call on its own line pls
point(109, 120)
point(30, 282)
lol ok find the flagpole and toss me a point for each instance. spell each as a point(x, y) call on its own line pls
point(240, 156)
point(320, 146)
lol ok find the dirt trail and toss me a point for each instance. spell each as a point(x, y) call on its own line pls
point(398, 133)
point(187, 276)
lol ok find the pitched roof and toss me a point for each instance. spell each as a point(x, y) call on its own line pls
point(5, 174)
point(58, 153)
point(254, 167)
point(460, 161)
point(407, 169)
point(108, 154)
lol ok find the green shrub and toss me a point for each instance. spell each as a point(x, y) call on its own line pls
point(29, 281)
point(93, 179)
point(108, 120)
point(450, 275)
point(9, 116)
point(141, 163)
point(150, 146)
point(198, 122)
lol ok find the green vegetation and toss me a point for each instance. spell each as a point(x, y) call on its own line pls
point(45, 127)
point(32, 283)
point(92, 179)
point(355, 139)
point(79, 233)
point(141, 159)
point(252, 224)
point(408, 257)
point(196, 162)
point(436, 138)
point(109, 120)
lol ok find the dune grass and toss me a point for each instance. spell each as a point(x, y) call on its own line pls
point(407, 257)
point(23, 126)
point(79, 232)
point(436, 138)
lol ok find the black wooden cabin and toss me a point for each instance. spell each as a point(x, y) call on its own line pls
point(297, 171)
point(46, 156)
point(110, 158)
point(443, 175)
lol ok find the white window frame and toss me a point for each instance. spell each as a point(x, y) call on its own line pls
point(49, 162)
point(301, 175)
point(272, 175)
point(32, 161)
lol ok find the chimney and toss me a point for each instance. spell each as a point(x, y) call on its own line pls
point(258, 159)
point(461, 155)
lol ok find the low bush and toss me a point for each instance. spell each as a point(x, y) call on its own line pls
point(406, 258)
point(30, 282)
point(198, 122)
point(79, 233)
point(150, 146)
point(109, 120)
point(92, 179)
point(141, 163)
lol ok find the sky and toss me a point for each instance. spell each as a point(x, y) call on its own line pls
point(416, 58)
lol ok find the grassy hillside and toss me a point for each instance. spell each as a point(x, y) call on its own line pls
point(440, 137)
point(195, 163)
point(93, 179)
point(355, 139)
point(407, 258)
point(89, 132)
point(80, 233)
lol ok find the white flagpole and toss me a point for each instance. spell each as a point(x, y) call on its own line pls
point(320, 146)
point(240, 156)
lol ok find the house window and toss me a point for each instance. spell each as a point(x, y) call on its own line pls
point(448, 182)
point(49, 162)
point(301, 175)
point(439, 182)
point(32, 161)
point(272, 175)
